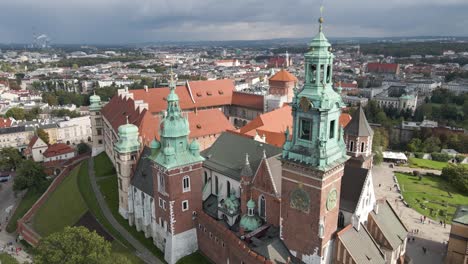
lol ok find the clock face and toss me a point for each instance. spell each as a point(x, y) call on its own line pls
point(300, 200)
point(331, 200)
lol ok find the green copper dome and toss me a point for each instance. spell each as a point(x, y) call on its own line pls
point(155, 144)
point(128, 139)
point(94, 102)
point(250, 221)
point(174, 131)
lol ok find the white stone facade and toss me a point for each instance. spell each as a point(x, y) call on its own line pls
point(38, 149)
point(74, 131)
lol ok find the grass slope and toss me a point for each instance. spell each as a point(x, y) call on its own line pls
point(26, 203)
point(432, 192)
point(120, 246)
point(103, 166)
point(64, 207)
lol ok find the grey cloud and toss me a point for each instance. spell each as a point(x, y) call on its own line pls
point(124, 21)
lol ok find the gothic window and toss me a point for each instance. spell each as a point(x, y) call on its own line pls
point(162, 183)
point(305, 132)
point(261, 207)
point(216, 185)
point(228, 188)
point(351, 146)
point(332, 129)
point(185, 205)
point(362, 147)
point(328, 73)
point(340, 220)
point(186, 183)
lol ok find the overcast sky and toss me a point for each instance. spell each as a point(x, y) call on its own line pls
point(134, 21)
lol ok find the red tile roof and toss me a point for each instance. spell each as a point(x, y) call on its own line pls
point(273, 124)
point(198, 94)
point(5, 122)
point(57, 149)
point(32, 142)
point(382, 67)
point(283, 76)
point(248, 100)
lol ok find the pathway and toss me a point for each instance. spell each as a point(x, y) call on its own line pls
point(432, 236)
point(8, 200)
point(141, 251)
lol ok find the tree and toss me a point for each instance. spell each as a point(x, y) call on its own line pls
point(83, 148)
point(415, 145)
point(16, 112)
point(10, 158)
point(457, 175)
point(380, 140)
point(75, 245)
point(30, 175)
point(42, 134)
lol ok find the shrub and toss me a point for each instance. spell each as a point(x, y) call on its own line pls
point(440, 157)
point(419, 155)
point(460, 158)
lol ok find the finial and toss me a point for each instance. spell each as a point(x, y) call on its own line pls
point(126, 119)
point(321, 18)
point(247, 159)
point(94, 92)
point(264, 154)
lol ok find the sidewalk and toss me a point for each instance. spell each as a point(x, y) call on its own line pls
point(432, 236)
point(142, 251)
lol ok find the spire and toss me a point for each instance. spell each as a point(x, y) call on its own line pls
point(321, 20)
point(126, 118)
point(358, 126)
point(247, 170)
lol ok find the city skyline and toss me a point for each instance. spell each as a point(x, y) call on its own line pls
point(121, 22)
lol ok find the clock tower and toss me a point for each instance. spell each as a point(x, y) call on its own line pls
point(313, 160)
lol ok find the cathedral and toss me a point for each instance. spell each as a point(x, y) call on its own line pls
point(245, 201)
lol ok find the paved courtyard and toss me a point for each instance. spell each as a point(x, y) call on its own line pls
point(431, 235)
point(8, 199)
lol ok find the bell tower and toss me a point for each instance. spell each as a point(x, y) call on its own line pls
point(313, 160)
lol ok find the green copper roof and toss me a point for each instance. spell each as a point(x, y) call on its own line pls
point(317, 138)
point(128, 139)
point(175, 149)
point(461, 215)
point(95, 102)
point(232, 204)
point(250, 221)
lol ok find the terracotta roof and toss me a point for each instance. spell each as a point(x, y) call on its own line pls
point(198, 94)
point(32, 141)
point(57, 149)
point(346, 85)
point(5, 122)
point(273, 124)
point(252, 101)
point(382, 67)
point(283, 76)
point(210, 121)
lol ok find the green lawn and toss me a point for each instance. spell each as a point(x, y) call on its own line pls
point(103, 166)
point(28, 200)
point(64, 207)
point(196, 257)
point(119, 246)
point(7, 259)
point(427, 164)
point(432, 192)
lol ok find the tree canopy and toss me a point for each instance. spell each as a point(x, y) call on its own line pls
point(42, 134)
point(75, 245)
point(30, 174)
point(10, 158)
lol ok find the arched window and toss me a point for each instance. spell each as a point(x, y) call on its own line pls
point(340, 220)
point(228, 189)
point(362, 147)
point(216, 185)
point(328, 73)
point(186, 183)
point(261, 207)
point(351, 146)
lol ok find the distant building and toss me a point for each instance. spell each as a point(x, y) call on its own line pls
point(227, 63)
point(354, 100)
point(36, 149)
point(457, 250)
point(401, 103)
point(386, 70)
